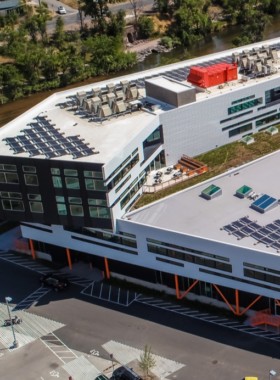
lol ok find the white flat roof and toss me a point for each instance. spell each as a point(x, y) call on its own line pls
point(188, 213)
point(123, 129)
point(170, 84)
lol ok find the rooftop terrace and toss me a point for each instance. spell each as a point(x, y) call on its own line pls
point(219, 218)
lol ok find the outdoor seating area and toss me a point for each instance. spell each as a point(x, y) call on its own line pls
point(190, 166)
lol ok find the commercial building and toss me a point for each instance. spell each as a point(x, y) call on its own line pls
point(72, 167)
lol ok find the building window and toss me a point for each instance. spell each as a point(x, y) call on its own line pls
point(6, 194)
point(12, 205)
point(92, 174)
point(36, 207)
point(9, 178)
point(75, 200)
point(244, 106)
point(34, 197)
point(61, 209)
point(70, 172)
point(99, 212)
point(72, 183)
point(29, 169)
point(95, 184)
point(10, 168)
point(55, 171)
point(97, 202)
point(239, 130)
point(31, 179)
point(60, 198)
point(57, 182)
point(76, 210)
point(243, 99)
point(267, 120)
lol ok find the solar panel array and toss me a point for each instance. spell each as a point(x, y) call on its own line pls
point(268, 235)
point(42, 138)
point(264, 203)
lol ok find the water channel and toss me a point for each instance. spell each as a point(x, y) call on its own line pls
point(218, 42)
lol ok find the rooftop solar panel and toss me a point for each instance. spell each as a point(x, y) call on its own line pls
point(272, 227)
point(257, 236)
point(247, 230)
point(229, 228)
point(277, 222)
point(239, 234)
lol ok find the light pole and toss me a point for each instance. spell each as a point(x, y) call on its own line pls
point(9, 299)
point(272, 373)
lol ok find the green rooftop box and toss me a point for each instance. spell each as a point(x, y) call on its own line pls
point(211, 192)
point(243, 191)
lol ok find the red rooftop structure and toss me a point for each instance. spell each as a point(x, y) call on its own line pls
point(212, 75)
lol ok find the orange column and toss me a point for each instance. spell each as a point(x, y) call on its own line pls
point(237, 301)
point(33, 254)
point(107, 271)
point(177, 287)
point(69, 258)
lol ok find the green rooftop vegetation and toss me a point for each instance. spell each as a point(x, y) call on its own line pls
point(219, 161)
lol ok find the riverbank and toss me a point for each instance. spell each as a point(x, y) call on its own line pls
point(143, 48)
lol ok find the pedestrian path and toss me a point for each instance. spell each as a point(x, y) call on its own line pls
point(31, 328)
point(28, 263)
point(125, 354)
point(58, 348)
point(32, 299)
point(81, 369)
point(110, 293)
point(207, 317)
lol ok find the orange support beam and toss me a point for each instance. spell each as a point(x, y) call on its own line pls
point(224, 299)
point(237, 311)
point(237, 301)
point(107, 271)
point(180, 295)
point(69, 258)
point(33, 253)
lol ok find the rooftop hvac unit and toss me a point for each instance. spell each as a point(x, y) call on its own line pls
point(119, 93)
point(110, 87)
point(235, 57)
point(110, 98)
point(119, 106)
point(87, 105)
point(80, 97)
point(258, 66)
point(125, 85)
point(96, 103)
point(105, 111)
point(264, 70)
point(96, 91)
point(274, 54)
point(132, 92)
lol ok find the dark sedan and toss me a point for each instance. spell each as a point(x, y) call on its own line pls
point(54, 281)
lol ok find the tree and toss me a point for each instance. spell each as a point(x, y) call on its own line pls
point(97, 9)
point(145, 27)
point(147, 360)
point(136, 8)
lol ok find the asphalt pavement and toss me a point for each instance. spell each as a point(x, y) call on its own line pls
point(90, 325)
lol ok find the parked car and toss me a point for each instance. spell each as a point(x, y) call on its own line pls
point(54, 281)
point(102, 377)
point(125, 373)
point(13, 321)
point(61, 10)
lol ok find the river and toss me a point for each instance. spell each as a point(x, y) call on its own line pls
point(218, 42)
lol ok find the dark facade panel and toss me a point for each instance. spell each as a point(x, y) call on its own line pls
point(30, 194)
